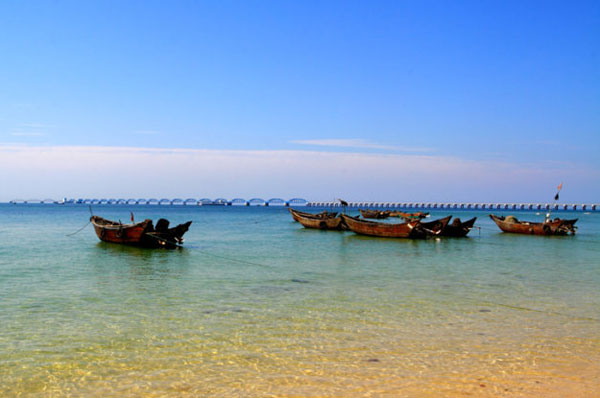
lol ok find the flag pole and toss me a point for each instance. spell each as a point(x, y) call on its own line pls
point(555, 200)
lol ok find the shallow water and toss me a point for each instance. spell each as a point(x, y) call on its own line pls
point(256, 305)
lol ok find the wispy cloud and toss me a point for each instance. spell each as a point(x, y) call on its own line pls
point(358, 143)
point(55, 171)
point(30, 130)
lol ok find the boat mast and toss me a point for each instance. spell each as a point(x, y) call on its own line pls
point(555, 200)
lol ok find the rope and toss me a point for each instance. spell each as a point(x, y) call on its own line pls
point(80, 229)
point(163, 240)
point(209, 254)
point(235, 260)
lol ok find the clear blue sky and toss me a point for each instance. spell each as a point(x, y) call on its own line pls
point(492, 85)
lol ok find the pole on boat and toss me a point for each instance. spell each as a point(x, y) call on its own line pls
point(344, 204)
point(554, 204)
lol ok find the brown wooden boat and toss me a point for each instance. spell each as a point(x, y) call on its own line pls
point(297, 214)
point(419, 215)
point(376, 214)
point(553, 227)
point(410, 229)
point(142, 234)
point(330, 221)
point(456, 228)
point(436, 226)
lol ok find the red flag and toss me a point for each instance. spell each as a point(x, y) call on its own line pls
point(559, 188)
point(131, 216)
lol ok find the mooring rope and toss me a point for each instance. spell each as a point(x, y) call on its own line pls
point(163, 240)
point(80, 229)
point(235, 260)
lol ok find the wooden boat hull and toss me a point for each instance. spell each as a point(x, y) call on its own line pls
point(375, 214)
point(460, 229)
point(335, 223)
point(553, 227)
point(384, 230)
point(297, 214)
point(327, 221)
point(409, 216)
point(456, 229)
point(141, 234)
point(436, 226)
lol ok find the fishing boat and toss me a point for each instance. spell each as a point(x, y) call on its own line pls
point(411, 229)
point(142, 234)
point(376, 214)
point(419, 215)
point(456, 228)
point(297, 214)
point(329, 221)
point(551, 227)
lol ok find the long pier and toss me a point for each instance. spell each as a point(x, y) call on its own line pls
point(462, 206)
point(303, 202)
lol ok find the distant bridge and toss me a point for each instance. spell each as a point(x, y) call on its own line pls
point(170, 202)
point(274, 202)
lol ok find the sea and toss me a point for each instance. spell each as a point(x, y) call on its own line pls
point(254, 305)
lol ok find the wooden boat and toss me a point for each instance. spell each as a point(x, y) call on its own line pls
point(436, 226)
point(419, 215)
point(553, 227)
point(142, 234)
point(456, 228)
point(297, 214)
point(410, 229)
point(330, 221)
point(376, 214)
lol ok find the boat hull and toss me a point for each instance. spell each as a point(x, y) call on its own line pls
point(409, 216)
point(327, 221)
point(556, 227)
point(456, 229)
point(297, 214)
point(375, 214)
point(385, 230)
point(142, 234)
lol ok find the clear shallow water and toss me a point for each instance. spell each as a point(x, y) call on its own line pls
point(255, 305)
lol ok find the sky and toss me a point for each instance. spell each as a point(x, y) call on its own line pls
point(468, 101)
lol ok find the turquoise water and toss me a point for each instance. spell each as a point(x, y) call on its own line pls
point(256, 305)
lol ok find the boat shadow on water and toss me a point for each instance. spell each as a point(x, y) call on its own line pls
point(352, 238)
point(137, 251)
point(139, 263)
